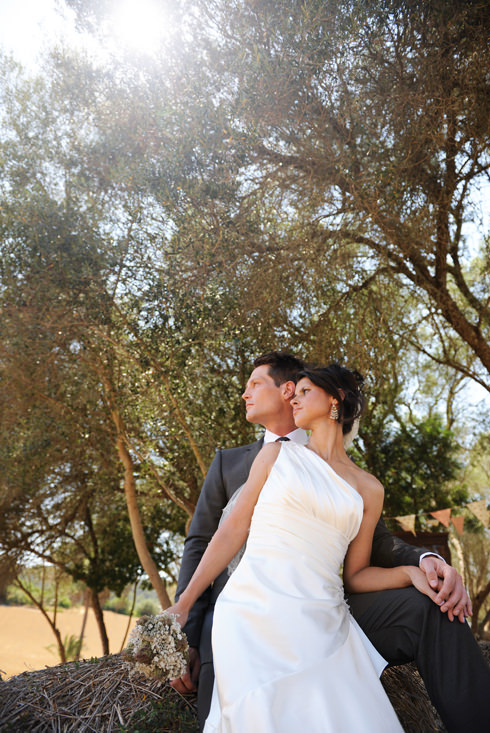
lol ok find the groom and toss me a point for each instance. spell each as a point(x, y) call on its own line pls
point(403, 624)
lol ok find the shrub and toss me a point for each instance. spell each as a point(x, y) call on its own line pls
point(118, 604)
point(148, 607)
point(16, 597)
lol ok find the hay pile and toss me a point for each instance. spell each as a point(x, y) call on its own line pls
point(99, 695)
point(96, 695)
point(407, 693)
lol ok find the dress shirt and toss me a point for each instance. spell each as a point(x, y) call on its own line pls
point(425, 554)
point(297, 436)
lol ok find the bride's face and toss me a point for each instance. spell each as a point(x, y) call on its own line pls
point(310, 404)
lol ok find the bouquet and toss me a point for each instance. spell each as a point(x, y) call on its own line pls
point(157, 647)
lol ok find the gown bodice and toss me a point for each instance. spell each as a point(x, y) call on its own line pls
point(306, 510)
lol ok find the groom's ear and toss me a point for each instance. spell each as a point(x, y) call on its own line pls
point(287, 390)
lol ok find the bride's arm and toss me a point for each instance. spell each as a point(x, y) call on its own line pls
point(230, 536)
point(359, 576)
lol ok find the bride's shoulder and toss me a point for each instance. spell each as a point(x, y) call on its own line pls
point(271, 448)
point(269, 452)
point(366, 482)
point(264, 460)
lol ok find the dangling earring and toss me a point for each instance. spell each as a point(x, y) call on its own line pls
point(334, 411)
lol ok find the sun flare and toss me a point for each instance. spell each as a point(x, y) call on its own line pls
point(140, 24)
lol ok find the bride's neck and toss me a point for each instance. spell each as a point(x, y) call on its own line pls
point(327, 441)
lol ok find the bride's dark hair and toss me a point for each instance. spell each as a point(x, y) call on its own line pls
point(343, 384)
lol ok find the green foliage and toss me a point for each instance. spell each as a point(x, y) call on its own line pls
point(417, 464)
point(45, 583)
point(477, 468)
point(118, 605)
point(287, 180)
point(475, 542)
point(357, 118)
point(172, 714)
point(17, 597)
point(72, 646)
point(146, 601)
point(147, 608)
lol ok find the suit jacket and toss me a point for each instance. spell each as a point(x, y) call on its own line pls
point(229, 470)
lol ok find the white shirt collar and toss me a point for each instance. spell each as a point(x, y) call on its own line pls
point(297, 436)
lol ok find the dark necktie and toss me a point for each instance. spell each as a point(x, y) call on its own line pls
point(283, 437)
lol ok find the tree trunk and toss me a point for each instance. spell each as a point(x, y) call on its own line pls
point(139, 539)
point(84, 622)
point(481, 626)
point(99, 616)
point(136, 525)
point(478, 602)
point(54, 629)
point(133, 604)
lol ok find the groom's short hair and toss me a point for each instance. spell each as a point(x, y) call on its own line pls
point(283, 367)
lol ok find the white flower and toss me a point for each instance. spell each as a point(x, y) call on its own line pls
point(157, 647)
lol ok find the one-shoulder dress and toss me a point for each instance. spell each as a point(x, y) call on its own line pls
point(288, 656)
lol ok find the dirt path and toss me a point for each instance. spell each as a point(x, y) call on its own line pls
point(25, 635)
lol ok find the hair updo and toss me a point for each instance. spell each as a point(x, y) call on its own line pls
point(343, 384)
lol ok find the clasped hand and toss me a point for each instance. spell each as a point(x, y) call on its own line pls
point(449, 592)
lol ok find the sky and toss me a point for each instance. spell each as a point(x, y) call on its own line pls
point(29, 26)
point(26, 26)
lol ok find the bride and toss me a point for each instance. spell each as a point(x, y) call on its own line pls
point(288, 655)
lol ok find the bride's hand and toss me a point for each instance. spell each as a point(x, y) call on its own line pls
point(180, 613)
point(419, 580)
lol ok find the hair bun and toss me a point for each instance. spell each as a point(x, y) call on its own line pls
point(345, 385)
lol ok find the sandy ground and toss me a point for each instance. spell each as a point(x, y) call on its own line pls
point(25, 635)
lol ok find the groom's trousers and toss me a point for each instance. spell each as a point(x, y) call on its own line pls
point(404, 626)
point(206, 674)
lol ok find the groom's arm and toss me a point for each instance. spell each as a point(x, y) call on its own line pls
point(390, 551)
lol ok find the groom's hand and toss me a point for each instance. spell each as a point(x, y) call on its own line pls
point(451, 593)
point(187, 683)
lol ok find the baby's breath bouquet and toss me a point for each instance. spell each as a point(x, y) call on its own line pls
point(157, 647)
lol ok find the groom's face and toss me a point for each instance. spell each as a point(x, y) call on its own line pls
point(263, 398)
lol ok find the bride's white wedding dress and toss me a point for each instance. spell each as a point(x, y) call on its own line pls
point(288, 656)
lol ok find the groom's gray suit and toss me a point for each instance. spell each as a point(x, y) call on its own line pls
point(403, 624)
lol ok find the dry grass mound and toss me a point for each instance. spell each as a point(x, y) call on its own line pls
point(99, 695)
point(96, 695)
point(407, 693)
